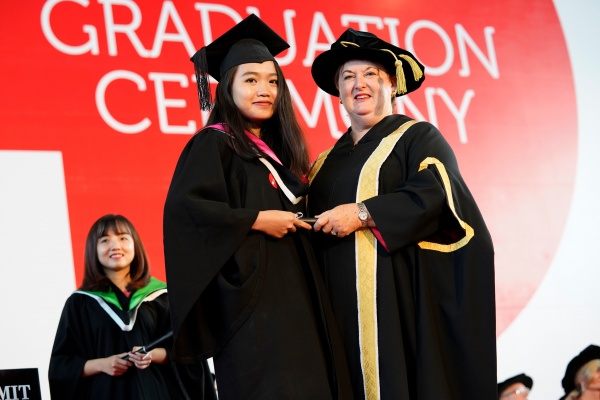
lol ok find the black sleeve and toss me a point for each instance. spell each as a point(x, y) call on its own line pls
point(204, 223)
point(66, 360)
point(422, 206)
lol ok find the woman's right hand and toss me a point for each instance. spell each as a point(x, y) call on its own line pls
point(278, 223)
point(116, 365)
point(113, 366)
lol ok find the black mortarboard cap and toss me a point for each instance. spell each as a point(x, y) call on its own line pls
point(250, 41)
point(358, 45)
point(521, 378)
point(592, 352)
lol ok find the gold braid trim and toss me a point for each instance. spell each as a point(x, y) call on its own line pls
point(345, 44)
point(366, 266)
point(469, 232)
point(314, 170)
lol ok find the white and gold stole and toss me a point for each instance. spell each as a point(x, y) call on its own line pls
point(366, 252)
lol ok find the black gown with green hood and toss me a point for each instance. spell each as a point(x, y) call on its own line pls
point(102, 324)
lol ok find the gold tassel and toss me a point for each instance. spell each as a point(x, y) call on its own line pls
point(417, 73)
point(400, 79)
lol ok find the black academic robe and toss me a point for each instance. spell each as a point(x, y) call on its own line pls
point(86, 331)
point(252, 302)
point(432, 310)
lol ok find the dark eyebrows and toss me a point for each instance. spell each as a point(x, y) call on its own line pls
point(256, 73)
point(120, 233)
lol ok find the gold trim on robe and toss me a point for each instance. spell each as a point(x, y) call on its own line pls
point(314, 170)
point(366, 266)
point(366, 252)
point(469, 233)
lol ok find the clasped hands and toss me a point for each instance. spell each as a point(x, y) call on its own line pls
point(340, 221)
point(141, 360)
point(118, 364)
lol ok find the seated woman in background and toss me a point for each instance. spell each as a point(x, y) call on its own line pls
point(582, 376)
point(118, 308)
point(515, 388)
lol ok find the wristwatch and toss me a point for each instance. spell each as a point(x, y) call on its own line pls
point(362, 214)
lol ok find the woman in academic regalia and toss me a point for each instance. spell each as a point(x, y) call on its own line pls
point(119, 307)
point(404, 250)
point(245, 286)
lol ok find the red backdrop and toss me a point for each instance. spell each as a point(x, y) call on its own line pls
point(110, 85)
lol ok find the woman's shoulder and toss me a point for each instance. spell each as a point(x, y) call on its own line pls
point(417, 129)
point(218, 129)
point(398, 120)
point(79, 300)
point(155, 282)
point(154, 287)
point(212, 133)
point(205, 143)
point(84, 296)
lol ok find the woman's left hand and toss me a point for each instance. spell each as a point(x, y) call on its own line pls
point(140, 360)
point(339, 221)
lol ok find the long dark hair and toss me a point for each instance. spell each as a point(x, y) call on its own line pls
point(93, 274)
point(281, 132)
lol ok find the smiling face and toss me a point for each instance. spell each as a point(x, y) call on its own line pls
point(365, 91)
point(254, 91)
point(115, 252)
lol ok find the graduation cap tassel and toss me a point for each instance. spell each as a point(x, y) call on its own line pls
point(417, 73)
point(202, 80)
point(400, 78)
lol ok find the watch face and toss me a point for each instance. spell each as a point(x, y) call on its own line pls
point(362, 214)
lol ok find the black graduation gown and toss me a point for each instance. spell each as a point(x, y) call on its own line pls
point(251, 301)
point(435, 306)
point(86, 332)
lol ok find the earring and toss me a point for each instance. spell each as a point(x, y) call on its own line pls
point(340, 101)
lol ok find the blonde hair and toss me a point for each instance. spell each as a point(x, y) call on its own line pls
point(586, 373)
point(583, 378)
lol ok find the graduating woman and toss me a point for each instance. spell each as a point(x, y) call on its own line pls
point(404, 250)
point(118, 308)
point(245, 286)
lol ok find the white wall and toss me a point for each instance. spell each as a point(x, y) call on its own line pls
point(564, 315)
point(36, 260)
